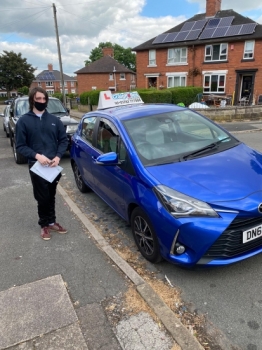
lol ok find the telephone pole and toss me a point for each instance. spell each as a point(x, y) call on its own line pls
point(59, 56)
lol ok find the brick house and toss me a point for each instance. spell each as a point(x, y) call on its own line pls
point(105, 74)
point(219, 50)
point(50, 80)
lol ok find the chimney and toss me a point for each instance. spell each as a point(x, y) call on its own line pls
point(50, 67)
point(212, 7)
point(108, 51)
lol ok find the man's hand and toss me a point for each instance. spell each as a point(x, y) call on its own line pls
point(54, 162)
point(43, 160)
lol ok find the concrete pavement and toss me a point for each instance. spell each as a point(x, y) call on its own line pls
point(55, 294)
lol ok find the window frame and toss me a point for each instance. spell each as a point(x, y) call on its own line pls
point(111, 76)
point(172, 77)
point(49, 83)
point(122, 76)
point(221, 83)
point(171, 56)
point(210, 48)
point(151, 58)
point(248, 51)
point(83, 136)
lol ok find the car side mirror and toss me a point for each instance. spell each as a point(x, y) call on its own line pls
point(110, 158)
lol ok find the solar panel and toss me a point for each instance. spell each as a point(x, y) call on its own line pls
point(214, 22)
point(226, 21)
point(199, 24)
point(181, 36)
point(233, 30)
point(159, 39)
point(207, 33)
point(248, 28)
point(220, 31)
point(193, 34)
point(170, 37)
point(187, 26)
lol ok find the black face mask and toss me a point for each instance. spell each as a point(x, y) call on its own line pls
point(40, 106)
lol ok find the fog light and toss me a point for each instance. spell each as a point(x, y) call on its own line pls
point(180, 249)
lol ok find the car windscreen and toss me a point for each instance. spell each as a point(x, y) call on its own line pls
point(54, 106)
point(176, 136)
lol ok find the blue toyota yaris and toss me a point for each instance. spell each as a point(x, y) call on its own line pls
point(191, 191)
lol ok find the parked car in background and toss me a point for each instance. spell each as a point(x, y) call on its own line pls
point(191, 191)
point(20, 106)
point(5, 116)
point(9, 101)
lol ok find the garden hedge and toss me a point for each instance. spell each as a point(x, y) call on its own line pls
point(185, 95)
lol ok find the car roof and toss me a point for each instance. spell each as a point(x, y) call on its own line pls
point(27, 97)
point(141, 110)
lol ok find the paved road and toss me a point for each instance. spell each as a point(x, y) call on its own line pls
point(229, 297)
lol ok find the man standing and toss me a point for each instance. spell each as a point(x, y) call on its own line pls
point(41, 136)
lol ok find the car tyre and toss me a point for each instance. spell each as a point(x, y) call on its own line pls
point(11, 138)
point(19, 158)
point(144, 236)
point(79, 181)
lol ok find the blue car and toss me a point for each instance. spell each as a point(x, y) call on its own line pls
point(191, 191)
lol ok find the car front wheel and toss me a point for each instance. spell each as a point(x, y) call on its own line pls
point(144, 236)
point(79, 181)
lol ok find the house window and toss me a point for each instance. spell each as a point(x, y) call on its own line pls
point(49, 83)
point(216, 52)
point(39, 84)
point(111, 76)
point(50, 92)
point(152, 57)
point(176, 80)
point(132, 77)
point(249, 49)
point(122, 76)
point(65, 83)
point(214, 83)
point(72, 83)
point(177, 56)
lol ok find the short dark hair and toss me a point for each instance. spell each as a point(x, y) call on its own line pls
point(32, 95)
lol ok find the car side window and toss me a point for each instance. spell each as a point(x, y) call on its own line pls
point(87, 131)
point(107, 136)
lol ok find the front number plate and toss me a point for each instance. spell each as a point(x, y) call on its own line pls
point(251, 234)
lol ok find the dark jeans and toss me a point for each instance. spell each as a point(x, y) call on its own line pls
point(44, 193)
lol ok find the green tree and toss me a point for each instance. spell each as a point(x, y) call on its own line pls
point(23, 90)
point(15, 72)
point(122, 55)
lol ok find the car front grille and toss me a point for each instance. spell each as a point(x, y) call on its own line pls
point(229, 244)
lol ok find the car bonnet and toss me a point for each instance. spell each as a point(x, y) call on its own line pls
point(226, 176)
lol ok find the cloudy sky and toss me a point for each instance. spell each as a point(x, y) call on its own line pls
point(28, 26)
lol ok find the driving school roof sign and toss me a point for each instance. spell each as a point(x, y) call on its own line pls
point(107, 99)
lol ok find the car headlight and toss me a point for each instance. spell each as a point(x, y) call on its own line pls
point(180, 205)
point(71, 129)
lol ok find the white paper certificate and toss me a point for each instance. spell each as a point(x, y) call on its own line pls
point(47, 173)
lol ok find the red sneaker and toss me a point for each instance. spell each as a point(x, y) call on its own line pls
point(45, 234)
point(57, 228)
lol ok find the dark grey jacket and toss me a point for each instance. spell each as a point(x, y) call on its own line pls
point(45, 135)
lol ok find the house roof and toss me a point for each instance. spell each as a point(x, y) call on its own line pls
point(238, 19)
point(53, 75)
point(105, 64)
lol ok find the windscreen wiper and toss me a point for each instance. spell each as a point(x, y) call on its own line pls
point(199, 151)
point(204, 149)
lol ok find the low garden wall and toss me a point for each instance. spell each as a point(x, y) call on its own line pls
point(231, 113)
